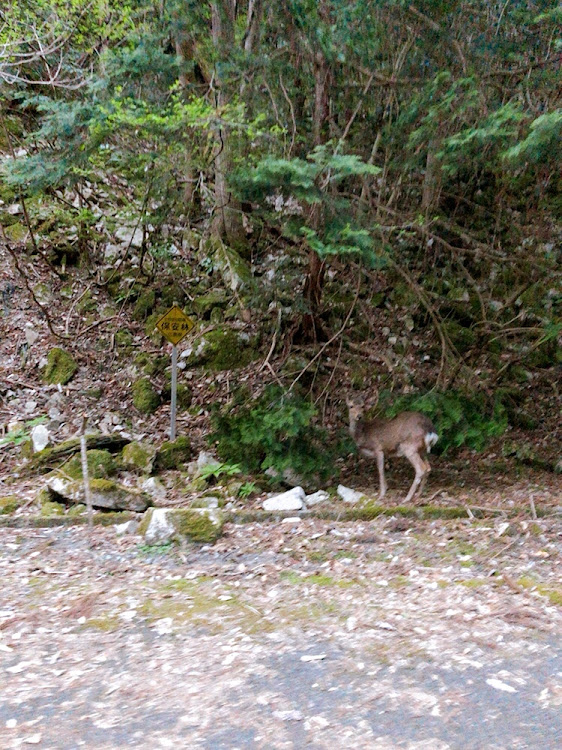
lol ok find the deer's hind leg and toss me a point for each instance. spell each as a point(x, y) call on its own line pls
point(422, 469)
point(425, 476)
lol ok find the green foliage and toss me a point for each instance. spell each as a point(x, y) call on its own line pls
point(542, 144)
point(247, 489)
point(20, 434)
point(304, 179)
point(483, 138)
point(460, 420)
point(275, 431)
point(214, 471)
point(312, 181)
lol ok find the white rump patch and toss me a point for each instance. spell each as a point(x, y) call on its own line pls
point(430, 439)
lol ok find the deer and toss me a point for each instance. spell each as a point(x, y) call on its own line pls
point(410, 434)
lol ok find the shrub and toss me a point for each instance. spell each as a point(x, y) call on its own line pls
point(274, 431)
point(460, 420)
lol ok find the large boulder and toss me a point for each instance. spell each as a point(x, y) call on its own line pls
point(161, 525)
point(223, 348)
point(106, 494)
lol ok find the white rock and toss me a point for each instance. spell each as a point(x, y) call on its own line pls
point(130, 236)
point(111, 251)
point(499, 685)
point(129, 527)
point(208, 502)
point(348, 495)
point(317, 497)
point(154, 488)
point(206, 459)
point(39, 437)
point(313, 657)
point(292, 519)
point(31, 335)
point(291, 500)
point(160, 529)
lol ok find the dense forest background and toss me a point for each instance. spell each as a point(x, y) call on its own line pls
point(344, 196)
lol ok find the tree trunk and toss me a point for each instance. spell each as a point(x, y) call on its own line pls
point(431, 181)
point(227, 222)
point(311, 328)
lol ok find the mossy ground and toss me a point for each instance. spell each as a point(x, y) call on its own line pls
point(145, 397)
point(60, 367)
point(9, 504)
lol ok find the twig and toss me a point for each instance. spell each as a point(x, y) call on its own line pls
point(95, 325)
point(85, 477)
point(75, 302)
point(446, 343)
point(292, 111)
point(265, 363)
point(330, 340)
point(30, 290)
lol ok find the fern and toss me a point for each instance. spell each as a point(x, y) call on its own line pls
point(460, 420)
point(274, 432)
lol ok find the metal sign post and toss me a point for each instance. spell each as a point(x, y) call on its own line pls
point(174, 326)
point(173, 398)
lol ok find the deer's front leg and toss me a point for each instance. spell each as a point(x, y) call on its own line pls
point(380, 467)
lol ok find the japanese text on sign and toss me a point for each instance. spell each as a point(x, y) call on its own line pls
point(175, 325)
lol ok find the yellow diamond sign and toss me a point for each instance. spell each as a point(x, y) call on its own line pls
point(175, 325)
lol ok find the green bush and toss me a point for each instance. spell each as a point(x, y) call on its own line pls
point(460, 420)
point(274, 431)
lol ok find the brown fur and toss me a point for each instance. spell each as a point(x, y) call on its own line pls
point(410, 434)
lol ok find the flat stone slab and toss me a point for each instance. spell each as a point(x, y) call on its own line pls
point(292, 500)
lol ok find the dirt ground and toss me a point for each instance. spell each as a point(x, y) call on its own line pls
point(298, 634)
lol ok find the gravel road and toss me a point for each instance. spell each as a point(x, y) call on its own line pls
point(303, 634)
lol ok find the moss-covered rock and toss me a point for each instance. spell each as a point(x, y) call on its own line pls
point(77, 511)
point(101, 465)
point(87, 304)
point(106, 494)
point(195, 485)
point(138, 457)
point(172, 294)
point(172, 455)
point(152, 365)
point(144, 304)
point(220, 349)
point(184, 395)
point(9, 504)
point(123, 339)
point(150, 329)
point(60, 367)
point(51, 508)
point(204, 304)
point(160, 525)
point(145, 398)
point(234, 270)
point(16, 232)
point(51, 457)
